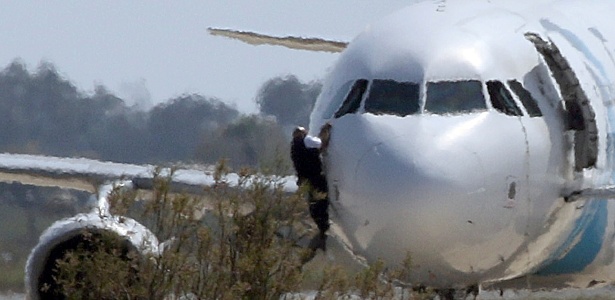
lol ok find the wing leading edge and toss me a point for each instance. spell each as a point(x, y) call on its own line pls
point(88, 174)
point(298, 43)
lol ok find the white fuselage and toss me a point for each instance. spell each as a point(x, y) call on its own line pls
point(473, 191)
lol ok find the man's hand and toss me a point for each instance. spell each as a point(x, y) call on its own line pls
point(325, 135)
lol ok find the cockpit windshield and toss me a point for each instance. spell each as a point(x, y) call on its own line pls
point(526, 98)
point(392, 98)
point(501, 99)
point(353, 100)
point(454, 97)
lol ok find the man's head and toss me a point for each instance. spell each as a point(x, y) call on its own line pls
point(299, 132)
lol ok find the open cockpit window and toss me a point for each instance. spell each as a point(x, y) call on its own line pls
point(392, 97)
point(501, 99)
point(526, 98)
point(353, 99)
point(338, 98)
point(454, 97)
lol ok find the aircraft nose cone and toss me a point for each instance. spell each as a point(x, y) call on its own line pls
point(425, 202)
point(460, 193)
point(424, 187)
point(410, 197)
point(418, 175)
point(425, 192)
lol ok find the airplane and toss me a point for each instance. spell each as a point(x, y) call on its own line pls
point(476, 136)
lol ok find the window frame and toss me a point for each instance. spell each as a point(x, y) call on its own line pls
point(534, 111)
point(349, 105)
point(340, 94)
point(514, 111)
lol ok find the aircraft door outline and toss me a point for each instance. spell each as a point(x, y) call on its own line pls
point(580, 116)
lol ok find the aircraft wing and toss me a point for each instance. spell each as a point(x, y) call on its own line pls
point(299, 43)
point(98, 178)
point(88, 174)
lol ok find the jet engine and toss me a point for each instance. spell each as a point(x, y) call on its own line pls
point(77, 232)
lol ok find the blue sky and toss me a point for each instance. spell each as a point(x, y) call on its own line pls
point(151, 51)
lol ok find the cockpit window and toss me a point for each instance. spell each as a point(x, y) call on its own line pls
point(353, 100)
point(526, 98)
point(451, 97)
point(501, 99)
point(392, 98)
point(338, 98)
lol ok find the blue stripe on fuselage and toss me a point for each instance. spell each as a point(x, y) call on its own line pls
point(591, 226)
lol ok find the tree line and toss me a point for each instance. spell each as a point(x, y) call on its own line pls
point(43, 113)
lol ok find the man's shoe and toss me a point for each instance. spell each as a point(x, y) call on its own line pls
point(319, 241)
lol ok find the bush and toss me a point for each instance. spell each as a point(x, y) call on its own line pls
point(226, 244)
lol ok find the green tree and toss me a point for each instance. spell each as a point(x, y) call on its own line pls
point(288, 100)
point(176, 127)
point(250, 141)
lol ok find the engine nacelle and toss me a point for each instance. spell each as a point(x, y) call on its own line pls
point(68, 234)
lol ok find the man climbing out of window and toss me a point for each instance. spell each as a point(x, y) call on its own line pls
point(305, 154)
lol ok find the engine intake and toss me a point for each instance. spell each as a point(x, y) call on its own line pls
point(76, 233)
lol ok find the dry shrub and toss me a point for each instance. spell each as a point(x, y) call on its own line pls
point(227, 243)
